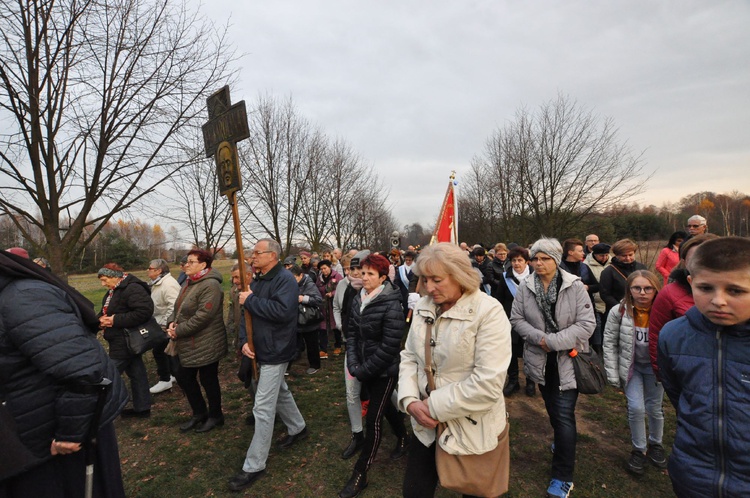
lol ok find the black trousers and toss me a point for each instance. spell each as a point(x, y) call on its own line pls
point(166, 366)
point(311, 346)
point(380, 390)
point(421, 477)
point(187, 378)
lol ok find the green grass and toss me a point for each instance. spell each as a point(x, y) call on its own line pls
point(159, 461)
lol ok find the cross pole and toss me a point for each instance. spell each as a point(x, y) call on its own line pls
point(227, 125)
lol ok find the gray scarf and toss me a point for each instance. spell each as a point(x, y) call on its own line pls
point(545, 300)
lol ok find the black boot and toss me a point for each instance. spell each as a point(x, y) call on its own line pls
point(402, 447)
point(357, 482)
point(530, 388)
point(358, 440)
point(511, 388)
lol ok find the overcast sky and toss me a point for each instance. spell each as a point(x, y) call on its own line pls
point(417, 87)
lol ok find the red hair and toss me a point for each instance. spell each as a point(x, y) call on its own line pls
point(378, 263)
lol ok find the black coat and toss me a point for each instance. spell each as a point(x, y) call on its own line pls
point(48, 362)
point(374, 345)
point(308, 288)
point(612, 282)
point(132, 306)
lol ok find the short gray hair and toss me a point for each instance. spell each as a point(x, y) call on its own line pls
point(550, 247)
point(696, 217)
point(448, 259)
point(273, 246)
point(162, 265)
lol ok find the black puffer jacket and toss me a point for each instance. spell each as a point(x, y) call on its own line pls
point(374, 343)
point(48, 359)
point(132, 306)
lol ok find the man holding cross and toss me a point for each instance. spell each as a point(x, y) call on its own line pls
point(272, 301)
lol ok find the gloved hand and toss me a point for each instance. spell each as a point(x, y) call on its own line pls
point(411, 302)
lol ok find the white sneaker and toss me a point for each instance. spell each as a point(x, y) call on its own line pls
point(161, 386)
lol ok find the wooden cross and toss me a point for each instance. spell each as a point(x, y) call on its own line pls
point(227, 125)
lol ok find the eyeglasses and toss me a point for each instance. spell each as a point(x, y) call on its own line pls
point(258, 253)
point(693, 226)
point(189, 262)
point(646, 290)
point(152, 269)
point(541, 259)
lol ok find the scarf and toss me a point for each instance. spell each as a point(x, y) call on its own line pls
point(200, 274)
point(367, 298)
point(545, 300)
point(522, 275)
point(109, 294)
point(155, 281)
point(356, 283)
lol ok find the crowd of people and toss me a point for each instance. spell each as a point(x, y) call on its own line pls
point(432, 335)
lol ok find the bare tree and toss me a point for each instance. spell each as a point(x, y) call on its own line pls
point(349, 177)
point(545, 173)
point(96, 97)
point(314, 221)
point(200, 208)
point(276, 169)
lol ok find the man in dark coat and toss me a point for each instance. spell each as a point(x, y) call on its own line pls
point(272, 301)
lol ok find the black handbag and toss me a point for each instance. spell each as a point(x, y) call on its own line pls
point(589, 370)
point(308, 315)
point(147, 336)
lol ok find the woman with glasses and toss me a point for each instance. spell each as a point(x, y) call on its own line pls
point(628, 365)
point(198, 329)
point(612, 283)
point(552, 313)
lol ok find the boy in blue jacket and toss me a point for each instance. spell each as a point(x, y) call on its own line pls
point(704, 361)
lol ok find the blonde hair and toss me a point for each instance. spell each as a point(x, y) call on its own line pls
point(448, 259)
point(623, 246)
point(628, 299)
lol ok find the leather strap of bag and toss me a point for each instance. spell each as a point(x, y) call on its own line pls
point(428, 356)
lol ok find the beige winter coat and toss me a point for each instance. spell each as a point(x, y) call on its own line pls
point(164, 294)
point(471, 355)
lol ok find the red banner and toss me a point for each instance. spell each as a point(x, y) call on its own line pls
point(445, 229)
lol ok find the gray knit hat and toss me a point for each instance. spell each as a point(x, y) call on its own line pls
point(358, 258)
point(550, 247)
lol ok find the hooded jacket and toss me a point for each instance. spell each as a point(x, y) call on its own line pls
point(374, 342)
point(131, 306)
point(164, 294)
point(48, 362)
point(471, 356)
point(575, 319)
point(199, 313)
point(705, 370)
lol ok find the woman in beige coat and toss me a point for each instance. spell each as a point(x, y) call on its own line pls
point(470, 357)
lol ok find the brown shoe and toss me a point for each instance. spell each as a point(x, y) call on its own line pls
point(337, 351)
point(323, 355)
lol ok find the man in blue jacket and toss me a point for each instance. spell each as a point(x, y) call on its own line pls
point(272, 302)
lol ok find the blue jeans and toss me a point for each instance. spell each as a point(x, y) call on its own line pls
point(271, 396)
point(561, 408)
point(136, 371)
point(645, 396)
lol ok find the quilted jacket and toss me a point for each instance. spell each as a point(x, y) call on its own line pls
point(375, 333)
point(131, 306)
point(705, 370)
point(48, 359)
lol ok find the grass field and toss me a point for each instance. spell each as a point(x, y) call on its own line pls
point(159, 461)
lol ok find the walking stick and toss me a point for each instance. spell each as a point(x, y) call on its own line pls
point(91, 439)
